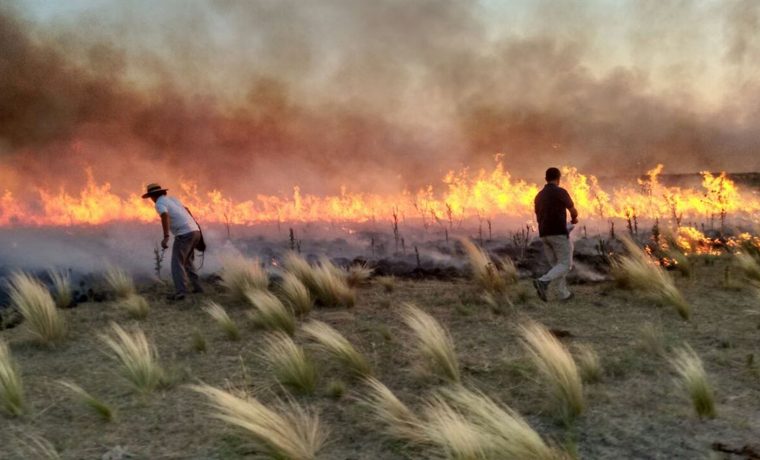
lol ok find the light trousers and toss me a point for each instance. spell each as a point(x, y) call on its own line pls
point(559, 253)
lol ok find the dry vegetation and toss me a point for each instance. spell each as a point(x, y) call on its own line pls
point(136, 355)
point(120, 282)
point(11, 387)
point(32, 299)
point(338, 346)
point(240, 275)
point(433, 343)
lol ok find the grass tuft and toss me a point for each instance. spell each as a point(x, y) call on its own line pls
point(220, 316)
point(387, 282)
point(486, 274)
point(399, 421)
point(137, 356)
point(291, 432)
point(332, 290)
point(289, 363)
point(36, 305)
point(11, 385)
point(270, 313)
point(558, 368)
point(120, 282)
point(433, 342)
point(62, 293)
point(199, 342)
point(588, 363)
point(337, 345)
point(448, 429)
point(102, 409)
point(358, 275)
point(296, 294)
point(749, 266)
point(692, 375)
point(240, 275)
point(652, 339)
point(136, 306)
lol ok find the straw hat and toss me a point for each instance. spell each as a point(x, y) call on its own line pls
point(153, 189)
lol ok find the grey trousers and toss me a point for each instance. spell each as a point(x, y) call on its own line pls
point(183, 256)
point(559, 253)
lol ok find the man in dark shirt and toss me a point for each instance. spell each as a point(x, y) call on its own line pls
point(551, 206)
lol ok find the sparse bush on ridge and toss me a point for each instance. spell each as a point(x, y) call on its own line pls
point(120, 282)
point(220, 316)
point(291, 432)
point(694, 380)
point(433, 342)
point(137, 356)
point(270, 313)
point(11, 385)
point(62, 293)
point(557, 366)
point(102, 409)
point(296, 294)
point(240, 275)
point(36, 305)
point(337, 345)
point(289, 363)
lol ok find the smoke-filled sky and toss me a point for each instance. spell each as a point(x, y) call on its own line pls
point(254, 96)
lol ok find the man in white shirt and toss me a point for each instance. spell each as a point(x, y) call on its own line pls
point(176, 217)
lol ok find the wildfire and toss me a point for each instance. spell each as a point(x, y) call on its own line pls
point(483, 195)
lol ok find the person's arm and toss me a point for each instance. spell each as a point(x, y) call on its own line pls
point(165, 225)
point(573, 215)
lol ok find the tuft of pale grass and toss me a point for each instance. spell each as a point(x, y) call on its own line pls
point(138, 357)
point(199, 342)
point(302, 270)
point(36, 305)
point(398, 420)
point(433, 342)
point(136, 306)
point(387, 282)
point(240, 275)
point(652, 339)
point(693, 378)
point(749, 266)
point(11, 385)
point(338, 346)
point(120, 282)
point(220, 316)
point(510, 436)
point(358, 274)
point(331, 287)
point(101, 408)
point(454, 434)
point(62, 293)
point(291, 432)
point(270, 313)
point(588, 363)
point(636, 270)
point(289, 363)
point(556, 364)
point(35, 446)
point(485, 273)
point(296, 294)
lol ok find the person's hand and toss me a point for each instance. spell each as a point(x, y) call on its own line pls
point(574, 221)
point(165, 242)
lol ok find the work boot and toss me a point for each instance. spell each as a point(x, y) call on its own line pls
point(176, 297)
point(541, 287)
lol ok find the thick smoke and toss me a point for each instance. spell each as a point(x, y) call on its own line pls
point(256, 96)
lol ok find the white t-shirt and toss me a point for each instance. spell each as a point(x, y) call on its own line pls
point(180, 221)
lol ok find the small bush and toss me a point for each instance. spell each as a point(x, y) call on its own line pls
point(296, 294)
point(37, 306)
point(240, 275)
point(337, 345)
point(11, 386)
point(291, 432)
point(270, 313)
point(62, 293)
point(136, 306)
point(138, 357)
point(102, 409)
point(220, 316)
point(120, 282)
point(433, 343)
point(289, 363)
point(693, 378)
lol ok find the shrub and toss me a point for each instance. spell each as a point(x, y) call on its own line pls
point(102, 409)
point(220, 316)
point(689, 367)
point(296, 294)
point(136, 306)
point(35, 304)
point(289, 363)
point(240, 275)
point(11, 386)
point(557, 366)
point(291, 432)
point(433, 343)
point(120, 282)
point(337, 345)
point(270, 313)
point(138, 357)
point(62, 293)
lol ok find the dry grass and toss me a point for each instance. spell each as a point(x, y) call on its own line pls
point(240, 275)
point(331, 288)
point(296, 294)
point(220, 316)
point(337, 345)
point(510, 436)
point(302, 270)
point(270, 313)
point(62, 293)
point(485, 272)
point(358, 275)
point(433, 343)
point(749, 266)
point(556, 364)
point(102, 409)
point(37, 306)
point(11, 386)
point(387, 282)
point(454, 434)
point(652, 339)
point(399, 421)
point(588, 363)
point(138, 357)
point(120, 282)
point(636, 270)
point(136, 306)
point(289, 433)
point(34, 446)
point(289, 363)
point(692, 375)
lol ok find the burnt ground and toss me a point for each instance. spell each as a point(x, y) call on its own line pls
point(635, 411)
